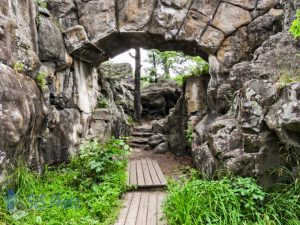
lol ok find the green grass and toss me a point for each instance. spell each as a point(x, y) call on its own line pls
point(231, 201)
point(87, 191)
point(41, 80)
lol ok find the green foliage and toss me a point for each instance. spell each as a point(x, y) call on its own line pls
point(42, 4)
point(102, 102)
point(295, 28)
point(163, 64)
point(96, 178)
point(286, 79)
point(18, 66)
point(41, 80)
point(189, 135)
point(231, 201)
point(130, 120)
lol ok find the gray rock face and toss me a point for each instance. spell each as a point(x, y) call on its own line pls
point(22, 119)
point(158, 99)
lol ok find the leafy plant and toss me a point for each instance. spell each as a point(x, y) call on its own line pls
point(189, 135)
point(41, 80)
point(96, 178)
point(286, 79)
point(130, 120)
point(295, 28)
point(18, 66)
point(233, 201)
point(102, 102)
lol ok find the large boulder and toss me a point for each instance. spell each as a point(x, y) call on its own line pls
point(23, 119)
point(159, 98)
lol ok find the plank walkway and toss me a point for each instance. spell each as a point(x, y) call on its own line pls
point(145, 173)
point(142, 208)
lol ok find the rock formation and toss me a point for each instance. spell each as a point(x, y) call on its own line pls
point(243, 118)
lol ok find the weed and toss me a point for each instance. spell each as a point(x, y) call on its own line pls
point(130, 120)
point(18, 66)
point(286, 79)
point(102, 102)
point(231, 201)
point(95, 179)
point(41, 80)
point(189, 135)
point(295, 28)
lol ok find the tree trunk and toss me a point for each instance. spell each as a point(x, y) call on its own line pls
point(137, 84)
point(155, 69)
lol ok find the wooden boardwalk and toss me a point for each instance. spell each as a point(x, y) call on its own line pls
point(142, 208)
point(145, 173)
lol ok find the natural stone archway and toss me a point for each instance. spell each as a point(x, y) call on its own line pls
point(241, 39)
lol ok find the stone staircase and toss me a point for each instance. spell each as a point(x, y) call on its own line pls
point(139, 137)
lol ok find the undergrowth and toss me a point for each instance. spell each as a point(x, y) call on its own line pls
point(86, 191)
point(231, 201)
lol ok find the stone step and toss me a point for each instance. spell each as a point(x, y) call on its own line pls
point(139, 140)
point(139, 146)
point(141, 134)
point(142, 129)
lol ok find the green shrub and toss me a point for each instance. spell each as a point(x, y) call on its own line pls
point(95, 179)
point(18, 66)
point(189, 135)
point(286, 79)
point(130, 120)
point(41, 80)
point(231, 201)
point(295, 28)
point(102, 102)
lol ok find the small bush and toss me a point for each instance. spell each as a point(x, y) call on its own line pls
point(102, 102)
point(130, 120)
point(41, 80)
point(18, 66)
point(86, 191)
point(295, 28)
point(231, 201)
point(286, 79)
point(189, 135)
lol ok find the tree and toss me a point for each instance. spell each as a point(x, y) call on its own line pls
point(165, 64)
point(137, 84)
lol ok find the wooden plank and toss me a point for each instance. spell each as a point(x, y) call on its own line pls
point(128, 173)
point(140, 174)
point(133, 210)
point(123, 214)
point(160, 175)
point(152, 209)
point(148, 180)
point(153, 174)
point(133, 175)
point(143, 209)
point(160, 199)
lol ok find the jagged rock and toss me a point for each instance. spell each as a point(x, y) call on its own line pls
point(51, 44)
point(162, 148)
point(211, 40)
point(158, 99)
point(229, 17)
point(204, 159)
point(158, 126)
point(156, 140)
point(284, 116)
point(195, 94)
point(22, 119)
